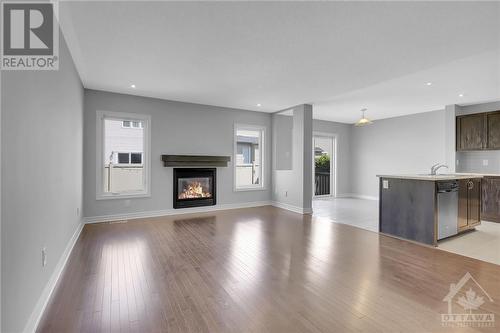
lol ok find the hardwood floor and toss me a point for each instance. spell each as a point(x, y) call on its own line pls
point(257, 270)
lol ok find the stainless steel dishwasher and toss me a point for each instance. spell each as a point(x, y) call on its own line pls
point(447, 207)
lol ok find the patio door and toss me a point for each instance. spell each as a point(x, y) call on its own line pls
point(323, 165)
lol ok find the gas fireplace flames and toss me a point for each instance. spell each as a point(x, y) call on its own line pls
point(194, 191)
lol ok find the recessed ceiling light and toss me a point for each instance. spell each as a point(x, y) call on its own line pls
point(460, 95)
point(132, 86)
point(259, 105)
point(429, 83)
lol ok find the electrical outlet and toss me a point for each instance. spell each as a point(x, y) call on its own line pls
point(44, 256)
point(486, 162)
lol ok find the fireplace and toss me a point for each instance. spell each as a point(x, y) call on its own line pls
point(194, 187)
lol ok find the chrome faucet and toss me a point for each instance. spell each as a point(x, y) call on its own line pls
point(436, 167)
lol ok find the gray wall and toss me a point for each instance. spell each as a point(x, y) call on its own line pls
point(450, 136)
point(177, 128)
point(42, 121)
point(473, 161)
point(401, 145)
point(1, 106)
point(293, 187)
point(411, 144)
point(283, 136)
point(477, 108)
point(343, 158)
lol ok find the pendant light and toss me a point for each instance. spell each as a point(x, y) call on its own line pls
point(363, 121)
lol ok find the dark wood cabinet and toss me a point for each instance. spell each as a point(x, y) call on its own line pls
point(490, 210)
point(474, 202)
point(493, 123)
point(479, 131)
point(463, 198)
point(470, 132)
point(469, 204)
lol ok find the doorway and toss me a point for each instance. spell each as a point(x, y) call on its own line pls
point(324, 161)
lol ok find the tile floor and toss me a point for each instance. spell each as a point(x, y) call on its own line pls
point(356, 212)
point(482, 243)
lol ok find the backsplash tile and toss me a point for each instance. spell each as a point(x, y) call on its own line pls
point(472, 161)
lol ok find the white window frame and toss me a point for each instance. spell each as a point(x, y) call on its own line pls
point(146, 154)
point(262, 148)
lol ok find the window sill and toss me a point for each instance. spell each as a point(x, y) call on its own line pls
point(122, 196)
point(244, 189)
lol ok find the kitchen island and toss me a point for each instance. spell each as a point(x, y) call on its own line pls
point(425, 208)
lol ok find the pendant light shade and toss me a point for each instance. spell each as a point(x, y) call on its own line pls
point(363, 121)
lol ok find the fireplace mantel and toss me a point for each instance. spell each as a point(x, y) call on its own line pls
point(195, 160)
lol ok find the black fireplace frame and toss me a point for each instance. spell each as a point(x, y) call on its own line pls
point(194, 173)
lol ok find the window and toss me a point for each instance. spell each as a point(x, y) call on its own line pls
point(126, 158)
point(249, 157)
point(135, 158)
point(123, 159)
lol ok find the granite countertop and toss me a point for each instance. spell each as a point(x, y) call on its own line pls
point(436, 177)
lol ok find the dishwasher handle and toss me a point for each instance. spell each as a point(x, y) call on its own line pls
point(448, 186)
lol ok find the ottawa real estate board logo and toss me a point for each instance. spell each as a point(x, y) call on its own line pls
point(30, 36)
point(465, 299)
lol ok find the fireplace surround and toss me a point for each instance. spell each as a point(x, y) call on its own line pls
point(194, 187)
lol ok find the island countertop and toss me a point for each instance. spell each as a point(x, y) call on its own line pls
point(438, 177)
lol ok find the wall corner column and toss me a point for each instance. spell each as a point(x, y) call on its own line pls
point(451, 112)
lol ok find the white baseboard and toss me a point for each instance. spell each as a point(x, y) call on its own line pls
point(44, 298)
point(167, 212)
point(292, 208)
point(365, 197)
point(357, 196)
point(344, 195)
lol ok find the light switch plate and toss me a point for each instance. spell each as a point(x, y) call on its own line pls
point(385, 184)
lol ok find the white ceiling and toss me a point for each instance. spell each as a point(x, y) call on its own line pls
point(340, 56)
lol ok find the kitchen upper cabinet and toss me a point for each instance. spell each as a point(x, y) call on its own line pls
point(490, 210)
point(469, 204)
point(470, 132)
point(493, 121)
point(479, 131)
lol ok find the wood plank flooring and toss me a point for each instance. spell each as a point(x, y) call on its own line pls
point(257, 270)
